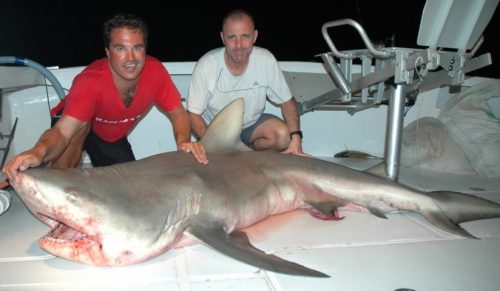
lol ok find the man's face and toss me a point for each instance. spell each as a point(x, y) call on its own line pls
point(239, 36)
point(126, 53)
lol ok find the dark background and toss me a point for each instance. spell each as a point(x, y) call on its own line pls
point(68, 33)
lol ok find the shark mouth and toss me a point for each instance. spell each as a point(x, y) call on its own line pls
point(62, 236)
point(83, 244)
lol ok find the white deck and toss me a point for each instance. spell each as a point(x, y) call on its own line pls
point(361, 252)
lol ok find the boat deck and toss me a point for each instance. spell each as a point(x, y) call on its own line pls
point(360, 252)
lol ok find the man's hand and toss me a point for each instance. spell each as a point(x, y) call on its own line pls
point(295, 147)
point(20, 163)
point(195, 148)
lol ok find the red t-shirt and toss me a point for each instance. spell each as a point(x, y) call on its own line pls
point(93, 97)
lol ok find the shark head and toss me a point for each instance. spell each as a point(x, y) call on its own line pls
point(97, 219)
point(97, 222)
point(75, 232)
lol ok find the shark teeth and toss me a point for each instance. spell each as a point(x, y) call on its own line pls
point(60, 232)
point(65, 233)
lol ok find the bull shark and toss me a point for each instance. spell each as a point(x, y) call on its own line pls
point(130, 212)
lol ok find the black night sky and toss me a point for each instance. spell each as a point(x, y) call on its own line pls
point(68, 33)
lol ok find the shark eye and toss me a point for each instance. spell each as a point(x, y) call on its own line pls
point(71, 194)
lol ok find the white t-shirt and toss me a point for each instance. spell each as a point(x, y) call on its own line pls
point(213, 86)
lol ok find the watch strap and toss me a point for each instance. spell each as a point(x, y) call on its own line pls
point(298, 132)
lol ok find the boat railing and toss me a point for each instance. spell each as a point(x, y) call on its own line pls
point(451, 32)
point(8, 137)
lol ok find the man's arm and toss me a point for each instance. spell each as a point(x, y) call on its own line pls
point(291, 115)
point(50, 145)
point(182, 133)
point(198, 125)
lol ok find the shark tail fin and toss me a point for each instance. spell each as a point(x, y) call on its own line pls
point(237, 245)
point(457, 208)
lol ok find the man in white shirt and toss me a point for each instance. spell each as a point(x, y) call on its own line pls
point(240, 69)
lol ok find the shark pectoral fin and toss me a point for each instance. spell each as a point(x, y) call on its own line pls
point(237, 246)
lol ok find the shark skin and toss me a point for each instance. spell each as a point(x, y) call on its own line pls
point(131, 212)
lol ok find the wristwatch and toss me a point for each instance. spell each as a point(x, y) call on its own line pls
point(298, 132)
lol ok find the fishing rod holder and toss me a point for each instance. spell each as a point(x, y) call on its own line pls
point(450, 30)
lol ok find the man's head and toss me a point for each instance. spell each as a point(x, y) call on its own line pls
point(128, 21)
point(238, 35)
point(125, 41)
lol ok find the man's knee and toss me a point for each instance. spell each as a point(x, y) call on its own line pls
point(275, 137)
point(282, 137)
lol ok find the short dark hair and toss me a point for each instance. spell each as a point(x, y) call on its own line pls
point(129, 21)
point(237, 14)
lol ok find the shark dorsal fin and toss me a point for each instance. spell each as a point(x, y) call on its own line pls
point(223, 133)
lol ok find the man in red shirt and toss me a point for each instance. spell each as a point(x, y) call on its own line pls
point(105, 101)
